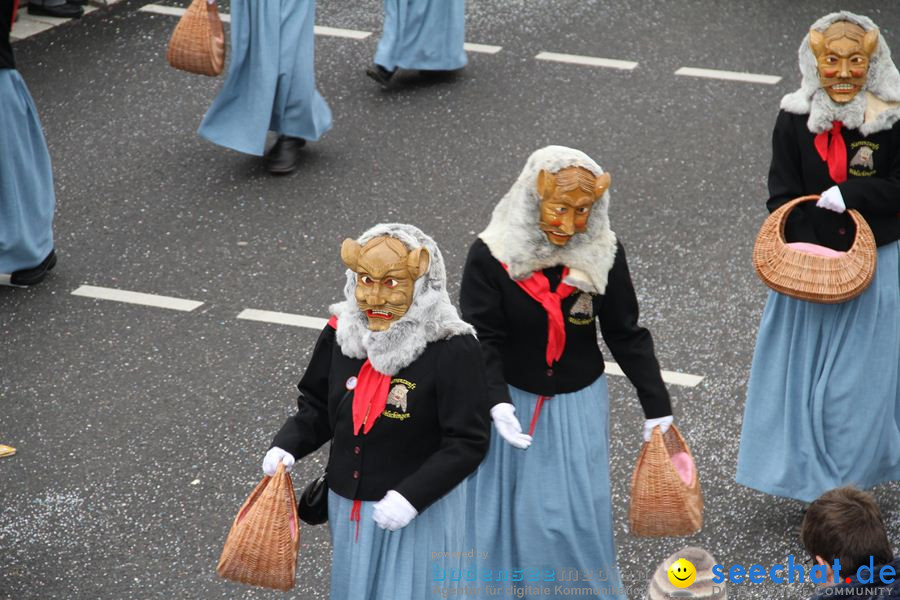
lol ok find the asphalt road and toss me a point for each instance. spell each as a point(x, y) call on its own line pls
point(141, 430)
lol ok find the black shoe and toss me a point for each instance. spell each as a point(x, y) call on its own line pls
point(63, 11)
point(282, 156)
point(380, 74)
point(36, 274)
point(78, 2)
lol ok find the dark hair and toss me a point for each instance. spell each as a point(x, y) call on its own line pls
point(845, 523)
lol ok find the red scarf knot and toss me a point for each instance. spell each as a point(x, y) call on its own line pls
point(369, 397)
point(833, 152)
point(537, 286)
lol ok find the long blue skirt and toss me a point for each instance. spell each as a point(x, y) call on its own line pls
point(823, 401)
point(544, 515)
point(271, 83)
point(423, 34)
point(377, 564)
point(27, 199)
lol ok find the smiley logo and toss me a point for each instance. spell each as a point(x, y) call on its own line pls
point(682, 573)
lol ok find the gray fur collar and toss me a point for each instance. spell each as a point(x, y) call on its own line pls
point(514, 236)
point(430, 318)
point(874, 110)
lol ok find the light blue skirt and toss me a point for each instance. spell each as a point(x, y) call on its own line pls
point(423, 34)
point(823, 400)
point(271, 83)
point(545, 513)
point(27, 199)
point(377, 564)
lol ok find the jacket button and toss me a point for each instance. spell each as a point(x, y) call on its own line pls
point(356, 450)
point(549, 372)
point(355, 474)
point(842, 231)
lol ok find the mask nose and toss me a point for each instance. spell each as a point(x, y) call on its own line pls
point(374, 297)
point(567, 223)
point(844, 72)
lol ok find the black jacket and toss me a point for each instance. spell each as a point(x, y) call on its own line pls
point(512, 329)
point(798, 170)
point(7, 61)
point(422, 450)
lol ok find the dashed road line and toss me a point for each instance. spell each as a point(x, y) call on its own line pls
point(482, 48)
point(281, 318)
point(294, 320)
point(728, 75)
point(352, 34)
point(104, 293)
point(591, 61)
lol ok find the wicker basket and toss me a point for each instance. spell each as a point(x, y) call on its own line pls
point(823, 279)
point(198, 43)
point(661, 503)
point(262, 545)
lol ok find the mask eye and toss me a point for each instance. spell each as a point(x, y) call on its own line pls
point(584, 210)
point(390, 283)
point(366, 280)
point(831, 60)
point(561, 210)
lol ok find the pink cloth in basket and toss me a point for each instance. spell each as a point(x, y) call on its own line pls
point(815, 249)
point(684, 465)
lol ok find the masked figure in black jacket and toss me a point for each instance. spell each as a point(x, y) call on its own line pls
point(537, 281)
point(823, 399)
point(396, 382)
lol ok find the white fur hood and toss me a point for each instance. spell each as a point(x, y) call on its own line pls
point(430, 317)
point(876, 108)
point(514, 236)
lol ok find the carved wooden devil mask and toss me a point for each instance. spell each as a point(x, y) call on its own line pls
point(567, 197)
point(386, 273)
point(842, 56)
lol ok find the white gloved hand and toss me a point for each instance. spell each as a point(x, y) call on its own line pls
point(508, 426)
point(273, 457)
point(832, 199)
point(393, 512)
point(649, 424)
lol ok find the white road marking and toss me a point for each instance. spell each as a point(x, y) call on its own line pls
point(103, 293)
point(268, 316)
point(482, 48)
point(316, 323)
point(352, 34)
point(590, 61)
point(175, 11)
point(683, 379)
point(728, 75)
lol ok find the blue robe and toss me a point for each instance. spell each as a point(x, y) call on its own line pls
point(823, 401)
point(27, 199)
point(271, 84)
point(423, 34)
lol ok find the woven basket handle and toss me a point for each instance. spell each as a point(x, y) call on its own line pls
point(785, 209)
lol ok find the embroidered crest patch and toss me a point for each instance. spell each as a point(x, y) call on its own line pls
point(863, 162)
point(582, 312)
point(397, 396)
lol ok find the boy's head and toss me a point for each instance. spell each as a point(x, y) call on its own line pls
point(846, 524)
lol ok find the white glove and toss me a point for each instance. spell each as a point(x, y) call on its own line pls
point(649, 424)
point(832, 199)
point(393, 512)
point(508, 426)
point(273, 457)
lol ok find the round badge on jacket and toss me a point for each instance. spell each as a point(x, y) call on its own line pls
point(351, 383)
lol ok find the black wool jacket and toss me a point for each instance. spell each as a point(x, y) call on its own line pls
point(872, 186)
point(433, 432)
point(7, 61)
point(512, 329)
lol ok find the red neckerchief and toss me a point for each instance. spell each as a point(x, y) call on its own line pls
point(12, 19)
point(538, 287)
point(369, 395)
point(834, 153)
